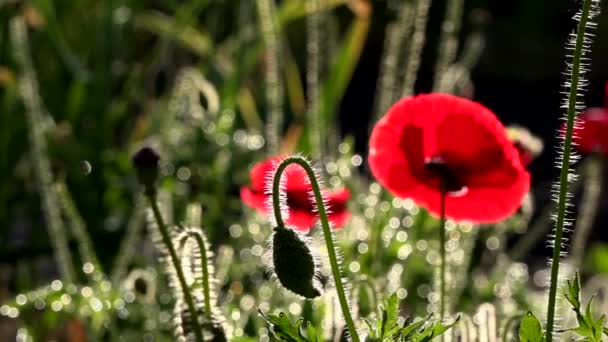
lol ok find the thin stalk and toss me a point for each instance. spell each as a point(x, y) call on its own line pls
point(577, 55)
point(164, 232)
point(387, 86)
point(79, 230)
point(313, 64)
point(589, 206)
point(331, 248)
point(448, 43)
point(442, 270)
point(205, 270)
point(127, 250)
point(416, 47)
point(507, 327)
point(34, 112)
point(274, 89)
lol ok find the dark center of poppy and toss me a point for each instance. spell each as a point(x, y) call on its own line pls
point(448, 179)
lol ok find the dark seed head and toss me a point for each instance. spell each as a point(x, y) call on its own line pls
point(294, 263)
point(145, 162)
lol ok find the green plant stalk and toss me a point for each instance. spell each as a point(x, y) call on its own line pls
point(79, 230)
point(393, 45)
point(126, 250)
point(162, 228)
point(416, 47)
point(34, 111)
point(565, 165)
point(589, 206)
point(448, 44)
point(331, 248)
point(274, 88)
point(442, 304)
point(206, 288)
point(313, 65)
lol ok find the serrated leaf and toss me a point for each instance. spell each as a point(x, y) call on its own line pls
point(429, 332)
point(390, 314)
point(412, 328)
point(530, 329)
point(284, 329)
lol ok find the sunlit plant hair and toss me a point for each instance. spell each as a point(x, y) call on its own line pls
point(579, 44)
point(195, 257)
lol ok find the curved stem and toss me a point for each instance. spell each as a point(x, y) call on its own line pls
point(507, 327)
point(205, 270)
point(565, 164)
point(176, 265)
point(331, 249)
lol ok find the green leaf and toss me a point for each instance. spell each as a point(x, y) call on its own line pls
point(285, 330)
point(428, 333)
point(412, 328)
point(573, 292)
point(390, 314)
point(530, 329)
point(311, 331)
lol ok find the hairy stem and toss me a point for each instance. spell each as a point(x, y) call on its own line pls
point(79, 230)
point(36, 119)
point(274, 91)
point(448, 44)
point(442, 304)
point(565, 163)
point(416, 47)
point(313, 73)
point(331, 248)
point(176, 265)
point(205, 269)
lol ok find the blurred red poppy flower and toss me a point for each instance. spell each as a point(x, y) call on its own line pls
point(591, 131)
point(430, 140)
point(301, 208)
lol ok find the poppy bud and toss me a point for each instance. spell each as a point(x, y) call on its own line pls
point(294, 264)
point(145, 162)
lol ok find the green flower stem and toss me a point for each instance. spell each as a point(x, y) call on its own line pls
point(204, 263)
point(331, 249)
point(589, 205)
point(565, 165)
point(176, 265)
point(442, 270)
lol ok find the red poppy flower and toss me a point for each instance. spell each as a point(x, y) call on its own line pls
point(301, 208)
point(591, 132)
point(428, 140)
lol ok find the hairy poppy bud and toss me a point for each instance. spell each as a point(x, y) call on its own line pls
point(294, 264)
point(145, 162)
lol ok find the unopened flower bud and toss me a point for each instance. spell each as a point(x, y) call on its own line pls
point(294, 264)
point(145, 162)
